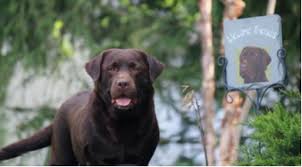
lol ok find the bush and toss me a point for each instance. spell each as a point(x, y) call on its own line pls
point(276, 139)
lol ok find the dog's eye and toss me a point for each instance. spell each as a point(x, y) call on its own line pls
point(132, 66)
point(113, 67)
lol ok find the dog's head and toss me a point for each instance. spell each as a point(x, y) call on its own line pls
point(253, 63)
point(123, 77)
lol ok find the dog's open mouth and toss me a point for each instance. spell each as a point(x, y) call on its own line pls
point(123, 103)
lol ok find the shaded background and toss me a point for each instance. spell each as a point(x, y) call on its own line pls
point(45, 44)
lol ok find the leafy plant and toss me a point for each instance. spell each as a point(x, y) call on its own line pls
point(276, 139)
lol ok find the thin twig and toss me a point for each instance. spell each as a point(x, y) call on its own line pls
point(197, 111)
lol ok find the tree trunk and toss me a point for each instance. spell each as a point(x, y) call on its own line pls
point(229, 126)
point(271, 7)
point(208, 76)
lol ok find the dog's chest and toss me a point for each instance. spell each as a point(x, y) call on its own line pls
point(118, 146)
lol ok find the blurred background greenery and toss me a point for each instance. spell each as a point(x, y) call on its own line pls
point(44, 45)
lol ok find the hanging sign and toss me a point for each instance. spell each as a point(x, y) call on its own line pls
point(254, 57)
point(253, 50)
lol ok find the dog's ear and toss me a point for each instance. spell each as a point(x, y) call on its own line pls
point(155, 66)
point(94, 66)
point(266, 57)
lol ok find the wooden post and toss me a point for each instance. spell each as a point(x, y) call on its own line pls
point(208, 78)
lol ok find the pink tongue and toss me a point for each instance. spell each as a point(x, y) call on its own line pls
point(123, 101)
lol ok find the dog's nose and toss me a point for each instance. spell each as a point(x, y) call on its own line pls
point(122, 84)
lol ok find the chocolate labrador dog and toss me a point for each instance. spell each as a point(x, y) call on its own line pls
point(115, 124)
point(253, 64)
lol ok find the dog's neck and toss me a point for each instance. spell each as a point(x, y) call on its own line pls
point(259, 77)
point(104, 118)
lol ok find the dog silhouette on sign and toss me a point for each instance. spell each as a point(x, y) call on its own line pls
point(253, 64)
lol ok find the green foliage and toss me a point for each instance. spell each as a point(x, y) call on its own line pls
point(293, 95)
point(42, 114)
point(276, 139)
point(184, 161)
point(2, 129)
